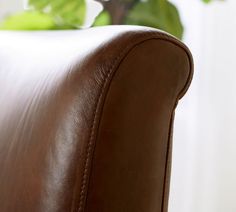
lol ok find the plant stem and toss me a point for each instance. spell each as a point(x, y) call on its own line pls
point(118, 9)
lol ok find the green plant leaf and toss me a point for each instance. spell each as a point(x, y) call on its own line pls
point(102, 19)
point(206, 1)
point(28, 21)
point(64, 12)
point(159, 14)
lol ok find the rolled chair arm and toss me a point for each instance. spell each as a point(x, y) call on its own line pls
point(86, 118)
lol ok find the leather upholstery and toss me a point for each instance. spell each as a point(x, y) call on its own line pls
point(86, 118)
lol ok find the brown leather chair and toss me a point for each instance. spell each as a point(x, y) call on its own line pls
point(86, 118)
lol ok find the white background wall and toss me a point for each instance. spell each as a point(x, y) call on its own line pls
point(204, 171)
point(7, 6)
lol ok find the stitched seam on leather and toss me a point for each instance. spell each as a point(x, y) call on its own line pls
point(89, 150)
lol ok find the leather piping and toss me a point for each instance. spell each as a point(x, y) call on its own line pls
point(104, 90)
point(171, 126)
point(167, 164)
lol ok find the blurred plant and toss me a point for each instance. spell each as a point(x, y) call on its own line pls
point(48, 14)
point(70, 14)
point(159, 14)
